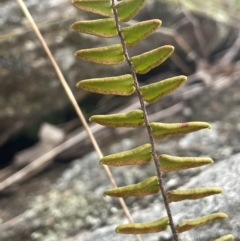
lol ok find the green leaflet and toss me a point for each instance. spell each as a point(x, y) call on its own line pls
point(192, 194)
point(129, 8)
point(228, 237)
point(130, 119)
point(139, 155)
point(155, 91)
point(109, 55)
point(100, 27)
point(145, 62)
point(173, 163)
point(119, 85)
point(161, 130)
point(193, 223)
point(102, 7)
point(141, 228)
point(144, 188)
point(136, 33)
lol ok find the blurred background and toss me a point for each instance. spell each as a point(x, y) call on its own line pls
point(62, 196)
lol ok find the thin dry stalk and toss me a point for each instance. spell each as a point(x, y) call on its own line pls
point(73, 102)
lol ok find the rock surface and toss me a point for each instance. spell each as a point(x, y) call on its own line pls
point(223, 174)
point(30, 90)
point(49, 137)
point(75, 203)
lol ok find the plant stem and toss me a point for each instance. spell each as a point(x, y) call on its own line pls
point(145, 116)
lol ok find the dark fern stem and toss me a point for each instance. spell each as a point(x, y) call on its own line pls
point(147, 123)
point(126, 85)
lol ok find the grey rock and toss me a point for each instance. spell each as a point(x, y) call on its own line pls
point(30, 90)
point(224, 174)
point(51, 134)
point(49, 137)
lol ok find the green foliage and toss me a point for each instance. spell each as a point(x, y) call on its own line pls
point(145, 62)
point(141, 228)
point(228, 237)
point(103, 55)
point(141, 31)
point(120, 85)
point(139, 155)
point(151, 93)
point(193, 223)
point(127, 85)
point(162, 130)
point(101, 7)
point(192, 194)
point(174, 163)
point(147, 187)
point(131, 119)
point(129, 8)
point(100, 27)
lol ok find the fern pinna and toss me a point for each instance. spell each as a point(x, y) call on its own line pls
point(127, 84)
